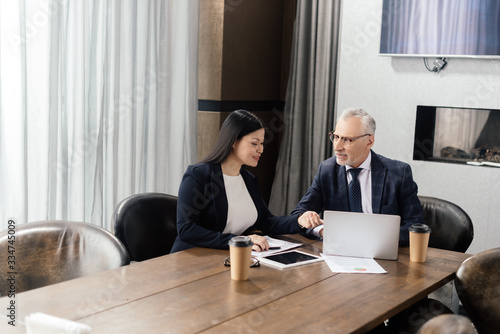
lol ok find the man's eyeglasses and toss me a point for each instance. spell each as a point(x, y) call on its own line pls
point(345, 140)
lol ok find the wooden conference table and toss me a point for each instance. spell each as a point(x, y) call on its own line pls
point(192, 291)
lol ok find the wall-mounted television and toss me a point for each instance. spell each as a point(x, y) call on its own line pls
point(441, 28)
point(457, 135)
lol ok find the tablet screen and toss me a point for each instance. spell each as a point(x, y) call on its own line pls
point(289, 259)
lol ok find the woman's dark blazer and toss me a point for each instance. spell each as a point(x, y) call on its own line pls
point(202, 209)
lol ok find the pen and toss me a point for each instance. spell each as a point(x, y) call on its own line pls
point(271, 248)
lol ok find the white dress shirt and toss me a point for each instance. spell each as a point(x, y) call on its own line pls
point(365, 182)
point(241, 210)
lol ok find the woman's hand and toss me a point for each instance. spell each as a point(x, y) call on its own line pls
point(310, 219)
point(260, 243)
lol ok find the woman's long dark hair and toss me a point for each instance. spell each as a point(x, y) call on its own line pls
point(237, 125)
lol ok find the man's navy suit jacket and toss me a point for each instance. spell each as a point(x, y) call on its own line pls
point(393, 191)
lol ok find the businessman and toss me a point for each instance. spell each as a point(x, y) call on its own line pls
point(359, 180)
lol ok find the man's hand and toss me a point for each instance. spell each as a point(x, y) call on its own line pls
point(310, 219)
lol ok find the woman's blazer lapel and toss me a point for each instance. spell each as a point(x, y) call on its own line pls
point(218, 192)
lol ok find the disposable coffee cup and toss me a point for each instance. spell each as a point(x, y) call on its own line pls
point(419, 242)
point(240, 253)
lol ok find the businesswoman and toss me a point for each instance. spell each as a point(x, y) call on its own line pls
point(218, 199)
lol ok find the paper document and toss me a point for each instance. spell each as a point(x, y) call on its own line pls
point(276, 246)
point(357, 265)
point(38, 322)
point(484, 163)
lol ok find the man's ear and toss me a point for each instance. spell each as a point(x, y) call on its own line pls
point(371, 141)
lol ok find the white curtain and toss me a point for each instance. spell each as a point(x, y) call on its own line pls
point(98, 101)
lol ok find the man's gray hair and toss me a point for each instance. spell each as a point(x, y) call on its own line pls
point(367, 121)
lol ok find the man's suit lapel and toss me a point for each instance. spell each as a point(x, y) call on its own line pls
point(342, 186)
point(378, 180)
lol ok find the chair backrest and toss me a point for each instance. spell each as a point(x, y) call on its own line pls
point(448, 324)
point(478, 287)
point(146, 224)
point(53, 251)
point(451, 226)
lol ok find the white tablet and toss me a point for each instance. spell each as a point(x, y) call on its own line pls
point(290, 259)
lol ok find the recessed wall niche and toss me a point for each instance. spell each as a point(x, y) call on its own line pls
point(457, 135)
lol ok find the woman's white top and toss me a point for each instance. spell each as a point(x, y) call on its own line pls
point(241, 210)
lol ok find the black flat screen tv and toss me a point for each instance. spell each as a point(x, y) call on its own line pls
point(441, 28)
point(458, 135)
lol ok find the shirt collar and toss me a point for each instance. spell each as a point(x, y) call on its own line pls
point(366, 164)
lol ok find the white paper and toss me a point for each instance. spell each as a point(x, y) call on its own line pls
point(355, 265)
point(41, 323)
point(491, 163)
point(484, 163)
point(282, 245)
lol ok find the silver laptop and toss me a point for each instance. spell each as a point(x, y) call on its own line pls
point(361, 235)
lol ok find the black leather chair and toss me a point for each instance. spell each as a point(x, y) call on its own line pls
point(451, 230)
point(53, 251)
point(146, 224)
point(451, 226)
point(478, 287)
point(448, 324)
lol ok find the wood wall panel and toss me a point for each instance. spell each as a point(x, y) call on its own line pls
point(244, 59)
point(211, 21)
